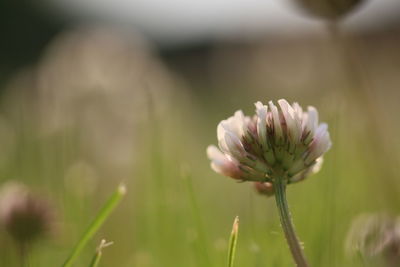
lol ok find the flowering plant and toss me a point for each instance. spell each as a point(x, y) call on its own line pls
point(276, 147)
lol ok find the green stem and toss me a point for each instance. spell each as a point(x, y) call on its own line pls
point(287, 226)
point(96, 224)
point(233, 242)
point(99, 252)
point(96, 259)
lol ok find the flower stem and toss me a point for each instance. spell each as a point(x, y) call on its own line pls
point(287, 225)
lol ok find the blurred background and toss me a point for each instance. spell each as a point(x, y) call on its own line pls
point(94, 93)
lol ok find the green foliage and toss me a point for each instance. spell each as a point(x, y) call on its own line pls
point(103, 214)
point(233, 241)
point(169, 219)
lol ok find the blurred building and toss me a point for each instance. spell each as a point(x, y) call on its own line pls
point(27, 26)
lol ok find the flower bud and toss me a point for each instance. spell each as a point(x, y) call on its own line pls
point(329, 9)
point(25, 216)
point(264, 188)
point(223, 164)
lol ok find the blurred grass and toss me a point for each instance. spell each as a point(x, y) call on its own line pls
point(178, 210)
point(95, 225)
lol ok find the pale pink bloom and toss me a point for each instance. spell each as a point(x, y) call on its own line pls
point(223, 164)
point(278, 141)
point(264, 188)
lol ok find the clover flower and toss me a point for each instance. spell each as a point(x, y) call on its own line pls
point(276, 147)
point(283, 141)
point(25, 216)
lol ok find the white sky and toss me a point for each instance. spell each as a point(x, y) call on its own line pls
point(191, 20)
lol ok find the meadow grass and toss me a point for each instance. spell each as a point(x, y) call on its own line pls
point(179, 212)
point(181, 218)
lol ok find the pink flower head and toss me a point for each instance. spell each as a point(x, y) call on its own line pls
point(277, 142)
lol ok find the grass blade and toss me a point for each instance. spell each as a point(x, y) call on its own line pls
point(96, 224)
point(233, 241)
point(99, 251)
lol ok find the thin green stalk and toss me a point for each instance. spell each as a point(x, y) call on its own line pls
point(99, 251)
point(286, 222)
point(96, 259)
point(233, 241)
point(96, 224)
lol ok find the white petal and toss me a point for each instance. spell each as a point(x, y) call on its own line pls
point(323, 144)
point(317, 166)
point(293, 125)
point(223, 164)
point(262, 111)
point(235, 147)
point(276, 121)
point(299, 116)
point(221, 137)
point(286, 108)
point(312, 119)
point(297, 109)
point(213, 153)
point(218, 159)
point(236, 124)
point(320, 144)
point(220, 130)
point(217, 168)
point(321, 130)
point(239, 123)
point(258, 105)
